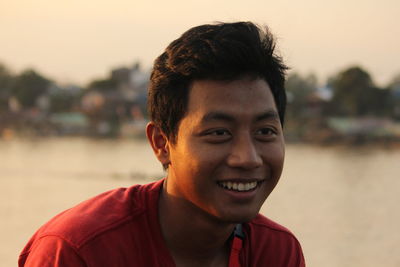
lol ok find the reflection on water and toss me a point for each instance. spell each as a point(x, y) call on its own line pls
point(341, 203)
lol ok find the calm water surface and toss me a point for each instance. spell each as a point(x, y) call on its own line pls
point(342, 203)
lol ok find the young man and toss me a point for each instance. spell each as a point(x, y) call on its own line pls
point(217, 104)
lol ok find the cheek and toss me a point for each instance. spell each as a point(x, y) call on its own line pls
point(276, 158)
point(205, 166)
point(192, 163)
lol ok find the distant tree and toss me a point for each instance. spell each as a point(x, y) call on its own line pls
point(354, 94)
point(299, 90)
point(394, 97)
point(63, 100)
point(28, 86)
point(6, 81)
point(103, 84)
point(300, 117)
point(5, 78)
point(395, 83)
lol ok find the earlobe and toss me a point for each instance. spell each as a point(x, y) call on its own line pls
point(159, 143)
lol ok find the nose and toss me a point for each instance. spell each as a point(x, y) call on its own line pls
point(244, 154)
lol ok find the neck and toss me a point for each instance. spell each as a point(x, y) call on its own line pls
point(192, 235)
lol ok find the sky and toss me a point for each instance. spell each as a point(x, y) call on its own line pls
point(76, 41)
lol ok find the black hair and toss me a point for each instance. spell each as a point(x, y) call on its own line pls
point(222, 51)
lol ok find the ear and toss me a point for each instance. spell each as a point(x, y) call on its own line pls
point(159, 143)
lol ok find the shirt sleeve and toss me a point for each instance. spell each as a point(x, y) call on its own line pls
point(297, 257)
point(51, 251)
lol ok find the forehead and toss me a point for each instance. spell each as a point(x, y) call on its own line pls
point(240, 97)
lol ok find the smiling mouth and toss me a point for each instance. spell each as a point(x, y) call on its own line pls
point(239, 187)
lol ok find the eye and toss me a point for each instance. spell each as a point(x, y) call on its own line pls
point(266, 133)
point(219, 132)
point(217, 135)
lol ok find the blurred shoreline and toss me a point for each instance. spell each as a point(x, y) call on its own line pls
point(347, 109)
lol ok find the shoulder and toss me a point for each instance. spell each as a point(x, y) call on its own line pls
point(263, 228)
point(272, 242)
point(264, 224)
point(49, 252)
point(100, 214)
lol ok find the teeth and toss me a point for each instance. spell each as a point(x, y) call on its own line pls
point(246, 187)
point(238, 186)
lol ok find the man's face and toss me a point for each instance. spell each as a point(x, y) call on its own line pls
point(229, 150)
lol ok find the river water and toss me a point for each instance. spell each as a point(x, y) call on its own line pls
point(342, 203)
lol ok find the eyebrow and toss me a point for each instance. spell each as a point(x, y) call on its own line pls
point(268, 115)
point(222, 116)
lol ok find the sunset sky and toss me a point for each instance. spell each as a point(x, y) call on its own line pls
point(77, 41)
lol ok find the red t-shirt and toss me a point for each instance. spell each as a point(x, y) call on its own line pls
point(121, 228)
